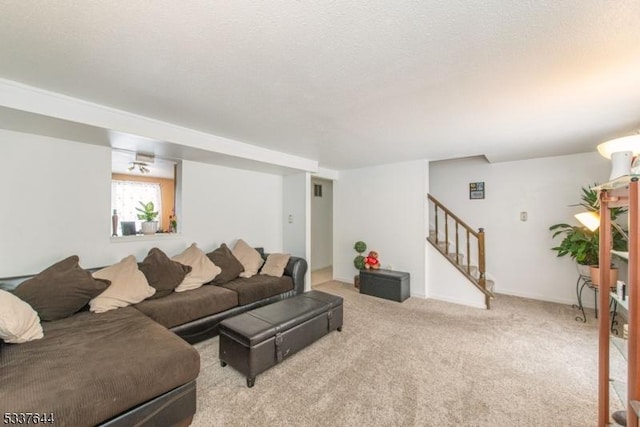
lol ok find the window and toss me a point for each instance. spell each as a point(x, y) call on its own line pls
point(139, 178)
point(127, 195)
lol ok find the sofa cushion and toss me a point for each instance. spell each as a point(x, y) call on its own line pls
point(162, 273)
point(91, 367)
point(259, 287)
point(275, 264)
point(223, 258)
point(19, 322)
point(60, 290)
point(128, 286)
point(182, 307)
point(250, 258)
point(202, 269)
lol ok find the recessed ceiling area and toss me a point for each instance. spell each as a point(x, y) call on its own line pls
point(121, 162)
point(349, 84)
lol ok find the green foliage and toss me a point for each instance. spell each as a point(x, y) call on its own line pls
point(147, 212)
point(360, 246)
point(590, 202)
point(358, 261)
point(579, 242)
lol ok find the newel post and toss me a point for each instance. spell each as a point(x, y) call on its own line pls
point(481, 258)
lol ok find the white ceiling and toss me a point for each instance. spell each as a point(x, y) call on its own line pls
point(347, 83)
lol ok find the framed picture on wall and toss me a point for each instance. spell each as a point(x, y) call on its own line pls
point(476, 190)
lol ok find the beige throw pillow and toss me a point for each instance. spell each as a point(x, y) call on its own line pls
point(128, 286)
point(18, 321)
point(203, 270)
point(275, 265)
point(250, 259)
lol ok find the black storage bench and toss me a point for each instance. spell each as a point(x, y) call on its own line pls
point(387, 284)
point(258, 339)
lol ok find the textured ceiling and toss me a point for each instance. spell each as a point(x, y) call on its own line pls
point(347, 83)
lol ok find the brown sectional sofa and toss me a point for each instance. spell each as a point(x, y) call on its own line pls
point(129, 366)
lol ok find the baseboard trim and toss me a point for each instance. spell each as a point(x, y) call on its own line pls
point(585, 300)
point(458, 301)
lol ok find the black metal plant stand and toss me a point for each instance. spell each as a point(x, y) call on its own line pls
point(580, 285)
point(614, 312)
point(585, 281)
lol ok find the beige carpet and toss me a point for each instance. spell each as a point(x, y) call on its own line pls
point(421, 363)
point(321, 275)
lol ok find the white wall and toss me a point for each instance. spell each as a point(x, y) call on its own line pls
point(220, 205)
point(385, 207)
point(56, 202)
point(295, 211)
point(296, 217)
point(321, 225)
point(446, 283)
point(518, 253)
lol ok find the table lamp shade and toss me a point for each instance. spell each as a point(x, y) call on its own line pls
point(621, 152)
point(591, 220)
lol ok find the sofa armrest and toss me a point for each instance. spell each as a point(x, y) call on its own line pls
point(296, 268)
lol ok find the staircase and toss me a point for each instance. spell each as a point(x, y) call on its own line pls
point(461, 245)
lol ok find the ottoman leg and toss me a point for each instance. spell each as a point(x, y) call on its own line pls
point(251, 382)
point(339, 328)
point(223, 363)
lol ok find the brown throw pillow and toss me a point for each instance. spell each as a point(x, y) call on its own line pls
point(231, 267)
point(162, 273)
point(60, 290)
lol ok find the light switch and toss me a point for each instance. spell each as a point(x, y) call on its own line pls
point(523, 216)
point(290, 219)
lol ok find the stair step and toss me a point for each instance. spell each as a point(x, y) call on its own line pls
point(473, 269)
point(490, 285)
point(453, 257)
point(475, 273)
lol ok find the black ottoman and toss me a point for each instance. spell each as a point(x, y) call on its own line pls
point(254, 341)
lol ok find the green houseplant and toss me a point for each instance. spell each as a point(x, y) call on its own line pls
point(148, 214)
point(358, 261)
point(582, 244)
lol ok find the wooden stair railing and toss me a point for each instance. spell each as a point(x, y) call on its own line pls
point(475, 274)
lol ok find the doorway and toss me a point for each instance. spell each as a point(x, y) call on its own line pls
point(321, 231)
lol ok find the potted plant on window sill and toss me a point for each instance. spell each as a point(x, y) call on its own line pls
point(148, 215)
point(582, 244)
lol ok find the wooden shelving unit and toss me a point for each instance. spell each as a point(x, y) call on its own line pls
point(620, 192)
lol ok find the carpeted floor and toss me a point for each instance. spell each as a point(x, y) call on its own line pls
point(421, 363)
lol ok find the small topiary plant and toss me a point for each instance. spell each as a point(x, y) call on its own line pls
point(358, 261)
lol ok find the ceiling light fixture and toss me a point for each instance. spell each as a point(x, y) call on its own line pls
point(145, 158)
point(621, 151)
point(142, 167)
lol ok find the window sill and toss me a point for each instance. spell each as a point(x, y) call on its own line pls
point(146, 238)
